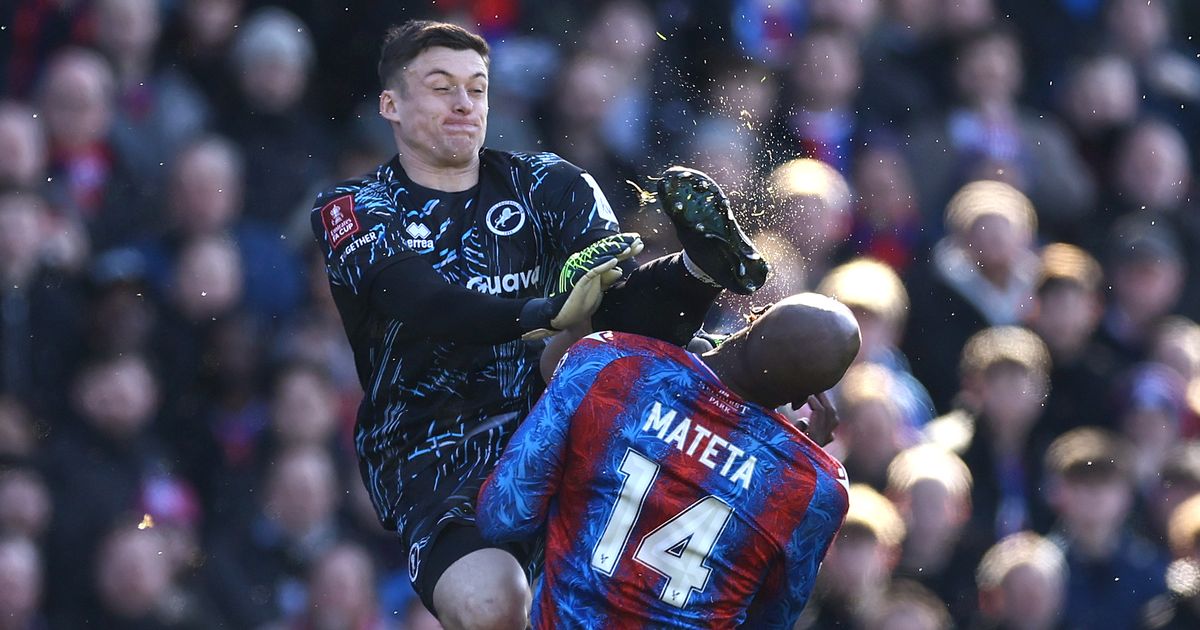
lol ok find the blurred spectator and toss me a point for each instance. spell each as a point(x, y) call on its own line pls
point(25, 503)
point(1168, 76)
point(991, 135)
point(23, 145)
point(20, 584)
point(858, 18)
point(765, 29)
point(816, 118)
point(1022, 584)
point(873, 427)
point(228, 413)
point(809, 215)
point(743, 94)
point(982, 273)
point(255, 571)
point(90, 180)
point(574, 126)
point(909, 606)
point(206, 192)
point(876, 296)
point(39, 308)
point(905, 63)
point(304, 408)
point(963, 18)
point(1066, 314)
point(99, 469)
point(1111, 572)
point(1150, 404)
point(204, 295)
point(1179, 609)
point(241, 428)
point(1180, 480)
point(1176, 344)
point(315, 333)
point(1152, 170)
point(622, 33)
point(174, 511)
point(137, 588)
point(201, 40)
point(512, 96)
point(18, 435)
point(1050, 31)
point(341, 594)
point(1005, 372)
point(1151, 180)
point(1146, 272)
point(887, 220)
point(157, 108)
point(122, 316)
point(281, 141)
point(723, 149)
point(391, 560)
point(858, 566)
point(34, 31)
point(931, 488)
point(1099, 104)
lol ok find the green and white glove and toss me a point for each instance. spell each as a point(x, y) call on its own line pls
point(581, 285)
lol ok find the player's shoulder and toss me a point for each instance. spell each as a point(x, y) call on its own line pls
point(808, 455)
point(600, 350)
point(363, 193)
point(631, 344)
point(538, 164)
point(345, 208)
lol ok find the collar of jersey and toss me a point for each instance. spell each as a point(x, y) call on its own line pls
point(400, 176)
point(714, 380)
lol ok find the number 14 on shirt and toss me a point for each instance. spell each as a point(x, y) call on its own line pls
point(676, 549)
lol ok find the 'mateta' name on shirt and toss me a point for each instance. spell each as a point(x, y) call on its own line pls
point(688, 437)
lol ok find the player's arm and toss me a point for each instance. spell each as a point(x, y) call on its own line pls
point(556, 348)
point(514, 500)
point(365, 252)
point(411, 292)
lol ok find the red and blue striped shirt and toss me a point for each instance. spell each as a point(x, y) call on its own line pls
point(665, 499)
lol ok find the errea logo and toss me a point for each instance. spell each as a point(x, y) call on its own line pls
point(417, 230)
point(420, 236)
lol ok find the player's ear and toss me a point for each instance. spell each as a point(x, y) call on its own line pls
point(388, 108)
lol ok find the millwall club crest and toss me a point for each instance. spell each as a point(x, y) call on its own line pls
point(505, 218)
point(414, 561)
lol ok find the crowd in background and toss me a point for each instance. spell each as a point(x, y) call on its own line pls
point(1002, 191)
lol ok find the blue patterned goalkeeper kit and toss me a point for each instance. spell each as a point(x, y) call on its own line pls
point(435, 415)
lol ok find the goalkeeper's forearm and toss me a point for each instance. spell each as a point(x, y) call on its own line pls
point(427, 306)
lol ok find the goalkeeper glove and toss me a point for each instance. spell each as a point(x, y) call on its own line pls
point(581, 284)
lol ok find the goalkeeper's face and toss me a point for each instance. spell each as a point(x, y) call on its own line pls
point(439, 105)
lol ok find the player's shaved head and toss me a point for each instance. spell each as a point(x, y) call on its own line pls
point(800, 346)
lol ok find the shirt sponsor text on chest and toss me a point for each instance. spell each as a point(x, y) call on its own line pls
point(507, 283)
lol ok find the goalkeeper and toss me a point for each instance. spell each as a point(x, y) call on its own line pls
point(446, 265)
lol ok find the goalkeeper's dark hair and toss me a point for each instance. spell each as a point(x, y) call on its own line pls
point(403, 43)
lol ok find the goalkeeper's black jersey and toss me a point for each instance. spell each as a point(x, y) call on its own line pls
point(508, 236)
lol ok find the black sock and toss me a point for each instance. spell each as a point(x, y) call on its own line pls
point(659, 299)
